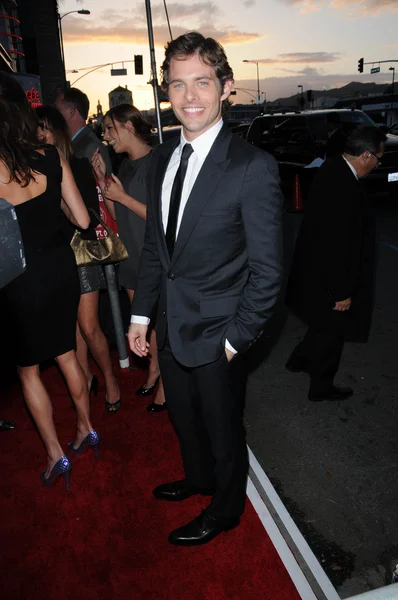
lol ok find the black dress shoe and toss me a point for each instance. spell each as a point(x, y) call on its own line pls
point(334, 393)
point(153, 407)
point(201, 530)
point(179, 490)
point(7, 425)
point(147, 391)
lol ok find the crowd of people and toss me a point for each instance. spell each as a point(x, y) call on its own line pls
point(201, 219)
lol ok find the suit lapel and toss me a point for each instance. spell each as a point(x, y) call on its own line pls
point(206, 182)
point(163, 158)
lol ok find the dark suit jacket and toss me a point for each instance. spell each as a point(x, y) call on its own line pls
point(224, 276)
point(334, 253)
point(86, 143)
point(336, 143)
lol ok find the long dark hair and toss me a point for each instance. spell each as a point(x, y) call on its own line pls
point(50, 118)
point(127, 112)
point(18, 138)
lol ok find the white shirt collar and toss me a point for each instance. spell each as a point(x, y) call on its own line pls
point(351, 167)
point(74, 136)
point(202, 144)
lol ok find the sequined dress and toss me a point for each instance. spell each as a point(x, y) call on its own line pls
point(43, 301)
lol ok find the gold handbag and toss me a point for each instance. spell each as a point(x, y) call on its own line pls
point(98, 252)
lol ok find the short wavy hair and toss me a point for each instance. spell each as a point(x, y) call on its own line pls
point(209, 51)
point(366, 137)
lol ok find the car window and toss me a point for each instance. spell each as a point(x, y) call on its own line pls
point(355, 117)
point(293, 124)
point(259, 127)
point(393, 129)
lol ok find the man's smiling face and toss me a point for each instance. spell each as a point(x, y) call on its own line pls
point(195, 94)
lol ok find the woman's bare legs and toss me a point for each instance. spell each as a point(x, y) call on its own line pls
point(40, 407)
point(82, 355)
point(153, 362)
point(153, 370)
point(77, 385)
point(96, 341)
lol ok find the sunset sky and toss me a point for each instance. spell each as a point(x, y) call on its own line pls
point(313, 43)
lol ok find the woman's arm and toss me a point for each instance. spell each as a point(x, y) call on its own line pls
point(72, 203)
point(114, 191)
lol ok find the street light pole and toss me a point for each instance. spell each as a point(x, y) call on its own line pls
point(256, 62)
point(392, 94)
point(301, 101)
point(83, 11)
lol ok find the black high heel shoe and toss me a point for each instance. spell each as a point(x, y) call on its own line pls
point(61, 467)
point(93, 386)
point(144, 391)
point(92, 439)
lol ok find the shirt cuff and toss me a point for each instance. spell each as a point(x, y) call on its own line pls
point(139, 320)
point(229, 347)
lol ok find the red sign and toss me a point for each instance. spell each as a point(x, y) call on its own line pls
point(33, 96)
point(105, 216)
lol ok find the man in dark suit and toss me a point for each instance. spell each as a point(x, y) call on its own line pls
point(74, 105)
point(337, 139)
point(211, 264)
point(331, 278)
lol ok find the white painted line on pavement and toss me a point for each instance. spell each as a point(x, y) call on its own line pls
point(285, 554)
point(388, 245)
point(390, 592)
point(303, 548)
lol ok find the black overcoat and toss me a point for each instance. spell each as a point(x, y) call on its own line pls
point(334, 255)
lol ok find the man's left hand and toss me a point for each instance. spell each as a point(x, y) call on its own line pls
point(229, 354)
point(343, 305)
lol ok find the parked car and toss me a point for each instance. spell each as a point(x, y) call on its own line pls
point(393, 129)
point(297, 139)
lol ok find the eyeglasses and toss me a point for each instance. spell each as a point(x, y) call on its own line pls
point(378, 163)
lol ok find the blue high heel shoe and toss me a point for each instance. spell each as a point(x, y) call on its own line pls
point(61, 467)
point(92, 439)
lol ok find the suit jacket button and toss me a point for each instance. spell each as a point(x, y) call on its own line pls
point(164, 313)
point(172, 276)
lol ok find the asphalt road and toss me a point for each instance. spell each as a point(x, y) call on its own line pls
point(335, 464)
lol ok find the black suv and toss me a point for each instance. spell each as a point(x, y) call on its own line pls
point(297, 139)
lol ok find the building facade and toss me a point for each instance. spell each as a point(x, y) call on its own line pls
point(12, 56)
point(120, 95)
point(39, 21)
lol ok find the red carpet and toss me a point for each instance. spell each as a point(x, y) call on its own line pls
point(107, 537)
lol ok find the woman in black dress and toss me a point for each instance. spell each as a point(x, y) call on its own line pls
point(43, 301)
point(53, 129)
point(126, 131)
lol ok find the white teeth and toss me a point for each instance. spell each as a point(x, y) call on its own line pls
point(192, 110)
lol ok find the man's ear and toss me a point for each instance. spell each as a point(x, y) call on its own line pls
point(228, 85)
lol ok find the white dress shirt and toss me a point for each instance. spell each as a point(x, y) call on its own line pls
point(201, 147)
point(351, 167)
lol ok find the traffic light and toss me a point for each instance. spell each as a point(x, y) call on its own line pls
point(309, 95)
point(138, 68)
point(360, 65)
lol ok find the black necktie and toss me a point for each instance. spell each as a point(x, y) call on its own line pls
point(175, 198)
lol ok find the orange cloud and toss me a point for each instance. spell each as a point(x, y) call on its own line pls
point(303, 58)
point(370, 7)
point(130, 26)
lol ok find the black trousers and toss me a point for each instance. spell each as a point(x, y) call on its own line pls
point(206, 410)
point(319, 353)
